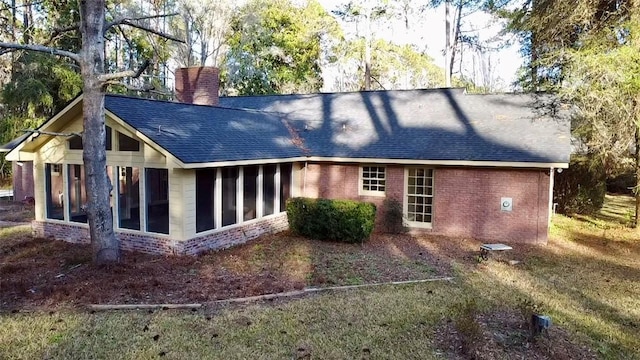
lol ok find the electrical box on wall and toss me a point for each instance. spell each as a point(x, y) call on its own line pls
point(506, 204)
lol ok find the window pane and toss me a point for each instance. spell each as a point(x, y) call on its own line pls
point(205, 199)
point(126, 143)
point(157, 194)
point(108, 138)
point(373, 178)
point(250, 192)
point(77, 194)
point(55, 193)
point(129, 198)
point(285, 185)
point(229, 190)
point(419, 195)
point(75, 142)
point(268, 189)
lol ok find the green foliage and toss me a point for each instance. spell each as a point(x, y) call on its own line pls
point(393, 216)
point(392, 66)
point(41, 86)
point(581, 188)
point(324, 219)
point(275, 48)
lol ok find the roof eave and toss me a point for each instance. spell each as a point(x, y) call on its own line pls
point(422, 162)
point(13, 154)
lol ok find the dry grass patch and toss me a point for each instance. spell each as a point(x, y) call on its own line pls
point(403, 322)
point(587, 279)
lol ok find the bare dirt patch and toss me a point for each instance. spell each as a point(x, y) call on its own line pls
point(41, 272)
point(15, 212)
point(503, 334)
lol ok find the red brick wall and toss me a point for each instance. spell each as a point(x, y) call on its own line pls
point(341, 181)
point(466, 200)
point(22, 180)
point(467, 203)
point(197, 85)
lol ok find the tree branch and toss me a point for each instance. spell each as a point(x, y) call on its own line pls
point(39, 132)
point(133, 22)
point(8, 47)
point(59, 31)
point(127, 73)
point(148, 88)
point(150, 30)
point(127, 19)
point(145, 88)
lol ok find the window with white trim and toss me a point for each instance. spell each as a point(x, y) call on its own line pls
point(419, 195)
point(373, 180)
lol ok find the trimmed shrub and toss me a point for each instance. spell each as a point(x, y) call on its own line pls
point(580, 189)
point(324, 219)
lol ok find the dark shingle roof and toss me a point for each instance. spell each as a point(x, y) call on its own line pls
point(438, 124)
point(435, 124)
point(196, 134)
point(13, 143)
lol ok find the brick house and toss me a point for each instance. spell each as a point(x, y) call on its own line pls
point(209, 172)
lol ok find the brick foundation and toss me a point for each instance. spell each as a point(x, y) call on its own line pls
point(235, 236)
point(163, 245)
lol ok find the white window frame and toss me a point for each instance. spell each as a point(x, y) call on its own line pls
point(56, 169)
point(240, 199)
point(361, 180)
point(405, 202)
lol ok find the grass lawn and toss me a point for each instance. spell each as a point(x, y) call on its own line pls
point(587, 279)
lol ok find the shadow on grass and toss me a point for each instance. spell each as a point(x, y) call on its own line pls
point(592, 292)
point(617, 211)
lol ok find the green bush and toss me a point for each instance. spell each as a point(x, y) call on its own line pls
point(581, 188)
point(338, 220)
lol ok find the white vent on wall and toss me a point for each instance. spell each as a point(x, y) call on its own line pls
point(506, 204)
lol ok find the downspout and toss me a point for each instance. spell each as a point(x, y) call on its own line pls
point(304, 180)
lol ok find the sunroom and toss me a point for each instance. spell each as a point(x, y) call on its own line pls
point(160, 203)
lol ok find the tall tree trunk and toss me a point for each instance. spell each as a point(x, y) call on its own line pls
point(105, 244)
point(447, 44)
point(367, 49)
point(13, 35)
point(26, 24)
point(636, 189)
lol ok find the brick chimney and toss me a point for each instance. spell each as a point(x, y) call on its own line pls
point(198, 85)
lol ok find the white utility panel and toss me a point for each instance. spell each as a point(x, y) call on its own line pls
point(506, 204)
